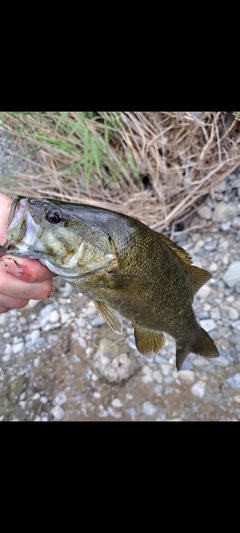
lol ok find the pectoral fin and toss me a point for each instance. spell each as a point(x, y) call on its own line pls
point(148, 341)
point(113, 318)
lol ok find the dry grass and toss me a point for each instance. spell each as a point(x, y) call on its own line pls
point(151, 165)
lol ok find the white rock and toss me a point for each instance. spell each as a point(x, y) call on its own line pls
point(147, 370)
point(200, 361)
point(16, 348)
point(64, 316)
point(232, 274)
point(6, 358)
point(204, 292)
point(116, 402)
point(43, 399)
point(223, 212)
point(46, 310)
point(157, 376)
point(35, 334)
point(2, 319)
point(96, 394)
point(166, 369)
point(233, 313)
point(186, 375)
point(82, 342)
point(147, 378)
point(208, 324)
point(36, 362)
point(149, 409)
point(60, 399)
point(199, 389)
point(205, 212)
point(57, 412)
point(54, 316)
point(213, 267)
point(36, 396)
point(237, 398)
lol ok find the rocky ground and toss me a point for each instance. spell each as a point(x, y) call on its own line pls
point(60, 361)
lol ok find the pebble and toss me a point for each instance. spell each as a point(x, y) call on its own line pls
point(210, 245)
point(149, 408)
point(132, 412)
point(97, 321)
point(205, 212)
point(208, 324)
point(116, 402)
point(223, 212)
point(220, 361)
point(213, 267)
point(234, 338)
point(57, 412)
point(157, 376)
point(54, 316)
point(232, 274)
point(233, 381)
point(166, 369)
point(16, 348)
point(204, 292)
point(233, 313)
point(96, 394)
point(60, 399)
point(199, 389)
point(43, 399)
point(36, 396)
point(236, 222)
point(6, 358)
point(186, 375)
point(45, 311)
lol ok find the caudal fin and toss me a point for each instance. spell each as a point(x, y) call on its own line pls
point(202, 345)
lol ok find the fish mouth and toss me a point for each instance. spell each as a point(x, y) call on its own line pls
point(22, 232)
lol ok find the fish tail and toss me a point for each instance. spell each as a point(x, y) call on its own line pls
point(202, 345)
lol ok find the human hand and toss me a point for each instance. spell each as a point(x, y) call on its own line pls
point(21, 279)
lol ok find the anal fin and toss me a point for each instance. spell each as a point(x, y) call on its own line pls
point(148, 341)
point(113, 318)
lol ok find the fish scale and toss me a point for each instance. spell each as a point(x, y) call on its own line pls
point(125, 267)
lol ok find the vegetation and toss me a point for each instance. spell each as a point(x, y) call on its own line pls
point(155, 166)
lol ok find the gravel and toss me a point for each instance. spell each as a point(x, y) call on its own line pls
point(61, 362)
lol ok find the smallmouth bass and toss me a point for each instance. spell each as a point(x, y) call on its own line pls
point(127, 269)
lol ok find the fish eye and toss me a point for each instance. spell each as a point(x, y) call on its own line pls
point(54, 216)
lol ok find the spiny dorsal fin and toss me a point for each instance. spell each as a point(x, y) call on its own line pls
point(148, 341)
point(199, 276)
point(177, 249)
point(113, 318)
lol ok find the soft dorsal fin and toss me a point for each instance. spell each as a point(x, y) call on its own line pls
point(199, 276)
point(177, 249)
point(113, 318)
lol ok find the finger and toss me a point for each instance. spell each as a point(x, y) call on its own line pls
point(4, 309)
point(5, 205)
point(30, 270)
point(12, 286)
point(11, 302)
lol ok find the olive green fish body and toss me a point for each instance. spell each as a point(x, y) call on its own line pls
point(126, 268)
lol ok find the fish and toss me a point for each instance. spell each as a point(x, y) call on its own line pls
point(126, 268)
